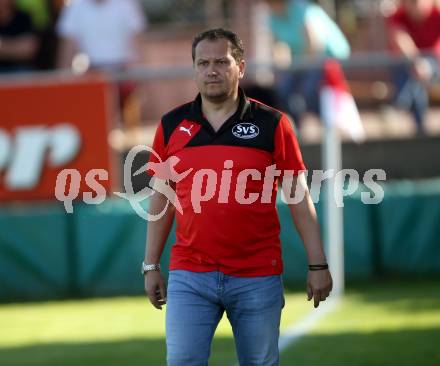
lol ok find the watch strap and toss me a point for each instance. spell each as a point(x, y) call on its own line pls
point(149, 267)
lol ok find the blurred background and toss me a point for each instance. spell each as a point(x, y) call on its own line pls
point(83, 81)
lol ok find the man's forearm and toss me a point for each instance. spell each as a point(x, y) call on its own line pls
point(158, 231)
point(403, 42)
point(314, 45)
point(20, 48)
point(306, 222)
point(138, 41)
point(66, 51)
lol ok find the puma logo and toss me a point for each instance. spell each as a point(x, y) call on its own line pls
point(188, 130)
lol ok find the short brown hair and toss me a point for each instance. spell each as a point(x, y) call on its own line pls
point(237, 49)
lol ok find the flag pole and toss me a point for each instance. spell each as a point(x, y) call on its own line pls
point(333, 215)
point(331, 98)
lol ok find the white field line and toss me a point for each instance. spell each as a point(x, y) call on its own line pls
point(298, 329)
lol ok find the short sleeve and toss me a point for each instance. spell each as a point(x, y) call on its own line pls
point(396, 20)
point(136, 20)
point(287, 154)
point(68, 21)
point(159, 154)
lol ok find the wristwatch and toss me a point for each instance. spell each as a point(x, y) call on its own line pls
point(149, 267)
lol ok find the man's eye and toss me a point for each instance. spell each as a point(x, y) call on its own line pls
point(203, 63)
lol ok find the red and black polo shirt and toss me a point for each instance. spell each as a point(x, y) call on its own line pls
point(236, 236)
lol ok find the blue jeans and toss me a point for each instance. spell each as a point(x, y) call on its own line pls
point(196, 302)
point(410, 93)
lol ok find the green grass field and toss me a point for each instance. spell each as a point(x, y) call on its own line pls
point(394, 323)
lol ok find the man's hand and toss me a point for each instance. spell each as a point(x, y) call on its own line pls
point(423, 69)
point(155, 289)
point(319, 285)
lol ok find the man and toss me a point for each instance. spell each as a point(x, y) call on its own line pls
point(227, 255)
point(109, 32)
point(310, 33)
point(414, 31)
point(18, 42)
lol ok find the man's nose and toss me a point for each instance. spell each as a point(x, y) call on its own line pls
point(212, 70)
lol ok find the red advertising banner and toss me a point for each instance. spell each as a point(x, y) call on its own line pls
point(50, 125)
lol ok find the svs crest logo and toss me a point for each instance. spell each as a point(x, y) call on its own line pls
point(245, 131)
point(25, 152)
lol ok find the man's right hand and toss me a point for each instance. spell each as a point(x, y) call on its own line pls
point(423, 69)
point(156, 289)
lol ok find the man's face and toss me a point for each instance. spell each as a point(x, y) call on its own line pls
point(216, 71)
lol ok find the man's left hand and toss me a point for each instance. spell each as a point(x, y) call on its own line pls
point(319, 285)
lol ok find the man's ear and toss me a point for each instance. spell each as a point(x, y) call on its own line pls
point(242, 68)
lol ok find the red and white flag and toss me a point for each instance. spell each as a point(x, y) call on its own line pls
point(337, 104)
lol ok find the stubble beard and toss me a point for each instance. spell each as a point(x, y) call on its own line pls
point(218, 96)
